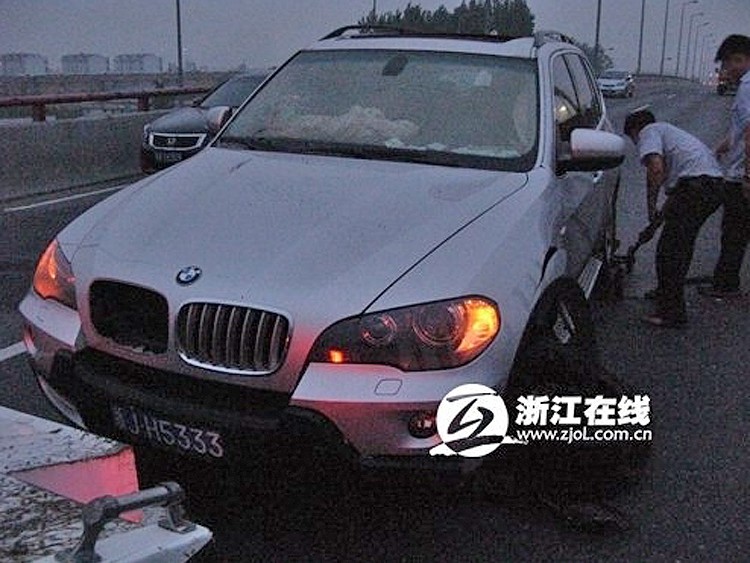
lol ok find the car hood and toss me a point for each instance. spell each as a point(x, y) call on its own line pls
point(611, 81)
point(288, 231)
point(183, 120)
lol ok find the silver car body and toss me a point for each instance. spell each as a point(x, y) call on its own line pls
point(318, 239)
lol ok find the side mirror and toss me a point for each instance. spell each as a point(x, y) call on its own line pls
point(591, 150)
point(217, 117)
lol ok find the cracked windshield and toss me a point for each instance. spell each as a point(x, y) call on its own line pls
point(469, 110)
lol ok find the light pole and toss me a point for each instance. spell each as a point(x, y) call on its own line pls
point(597, 46)
point(707, 55)
point(664, 40)
point(179, 44)
point(702, 43)
point(640, 40)
point(690, 34)
point(682, 27)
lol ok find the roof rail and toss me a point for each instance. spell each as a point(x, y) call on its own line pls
point(546, 35)
point(390, 31)
point(365, 29)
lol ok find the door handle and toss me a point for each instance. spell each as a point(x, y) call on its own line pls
point(598, 176)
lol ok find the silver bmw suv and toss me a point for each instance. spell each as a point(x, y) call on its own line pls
point(389, 216)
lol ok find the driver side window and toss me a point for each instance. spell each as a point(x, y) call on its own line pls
point(567, 109)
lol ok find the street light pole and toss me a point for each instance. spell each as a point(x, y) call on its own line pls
point(699, 72)
point(690, 34)
point(707, 55)
point(597, 46)
point(682, 28)
point(179, 44)
point(695, 49)
point(640, 40)
point(664, 40)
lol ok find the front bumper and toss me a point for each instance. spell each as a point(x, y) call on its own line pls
point(615, 92)
point(153, 159)
point(353, 413)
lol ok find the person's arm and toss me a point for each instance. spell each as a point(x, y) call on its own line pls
point(656, 175)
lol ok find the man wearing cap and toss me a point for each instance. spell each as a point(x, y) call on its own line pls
point(692, 179)
point(734, 152)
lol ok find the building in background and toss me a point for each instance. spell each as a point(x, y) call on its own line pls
point(22, 64)
point(136, 64)
point(84, 63)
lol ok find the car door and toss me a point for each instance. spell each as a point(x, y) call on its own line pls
point(584, 195)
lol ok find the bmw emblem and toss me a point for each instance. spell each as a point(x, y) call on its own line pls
point(188, 275)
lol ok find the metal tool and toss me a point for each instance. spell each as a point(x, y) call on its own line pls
point(105, 509)
point(628, 259)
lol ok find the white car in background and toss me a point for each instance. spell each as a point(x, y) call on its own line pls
point(617, 83)
point(389, 216)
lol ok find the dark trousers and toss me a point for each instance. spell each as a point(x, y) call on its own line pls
point(692, 201)
point(735, 233)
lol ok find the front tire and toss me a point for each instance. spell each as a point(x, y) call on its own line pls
point(559, 357)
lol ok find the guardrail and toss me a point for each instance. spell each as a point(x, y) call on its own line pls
point(39, 103)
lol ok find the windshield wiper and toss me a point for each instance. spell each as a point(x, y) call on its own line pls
point(254, 143)
point(381, 152)
point(366, 152)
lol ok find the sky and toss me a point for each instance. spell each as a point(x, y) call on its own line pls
point(223, 34)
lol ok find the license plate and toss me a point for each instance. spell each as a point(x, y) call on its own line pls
point(167, 157)
point(157, 430)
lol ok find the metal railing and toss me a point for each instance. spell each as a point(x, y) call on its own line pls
point(39, 103)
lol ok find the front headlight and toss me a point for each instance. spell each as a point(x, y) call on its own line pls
point(146, 133)
point(53, 278)
point(440, 335)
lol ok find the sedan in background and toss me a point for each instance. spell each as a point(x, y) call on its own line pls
point(183, 132)
point(617, 83)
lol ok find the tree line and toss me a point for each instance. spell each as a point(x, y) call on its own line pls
point(504, 17)
point(509, 18)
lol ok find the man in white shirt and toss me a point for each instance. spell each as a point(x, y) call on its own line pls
point(692, 178)
point(734, 152)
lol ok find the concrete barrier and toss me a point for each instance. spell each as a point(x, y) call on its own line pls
point(37, 158)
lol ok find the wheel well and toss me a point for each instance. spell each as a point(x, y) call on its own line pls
point(542, 314)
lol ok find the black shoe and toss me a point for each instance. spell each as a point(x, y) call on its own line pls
point(651, 294)
point(718, 293)
point(665, 321)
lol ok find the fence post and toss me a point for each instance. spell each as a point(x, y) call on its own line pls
point(143, 103)
point(38, 112)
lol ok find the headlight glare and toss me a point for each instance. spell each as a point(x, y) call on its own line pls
point(53, 278)
point(440, 335)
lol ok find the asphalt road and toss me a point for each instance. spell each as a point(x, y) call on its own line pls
point(690, 503)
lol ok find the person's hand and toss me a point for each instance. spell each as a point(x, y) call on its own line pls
point(721, 149)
